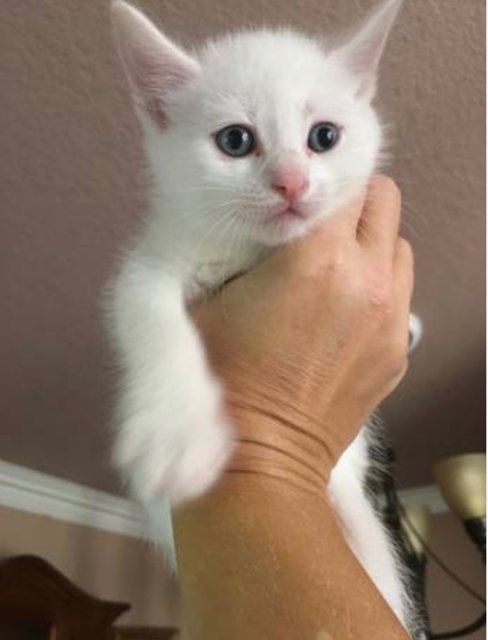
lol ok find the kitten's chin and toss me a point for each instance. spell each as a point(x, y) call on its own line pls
point(280, 225)
point(284, 229)
point(289, 225)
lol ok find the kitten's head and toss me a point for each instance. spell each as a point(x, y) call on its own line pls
point(261, 133)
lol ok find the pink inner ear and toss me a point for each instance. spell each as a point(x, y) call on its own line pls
point(155, 75)
point(363, 53)
point(155, 66)
point(365, 57)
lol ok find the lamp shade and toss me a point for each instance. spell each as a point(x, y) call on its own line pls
point(415, 525)
point(462, 481)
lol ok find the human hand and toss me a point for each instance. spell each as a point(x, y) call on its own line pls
point(310, 341)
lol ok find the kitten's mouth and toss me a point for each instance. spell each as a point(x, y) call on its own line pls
point(290, 213)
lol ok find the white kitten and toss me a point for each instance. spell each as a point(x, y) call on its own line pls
point(251, 141)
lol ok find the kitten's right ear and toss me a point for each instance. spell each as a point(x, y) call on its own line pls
point(154, 65)
point(362, 53)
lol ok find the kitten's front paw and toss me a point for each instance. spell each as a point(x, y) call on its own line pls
point(192, 464)
point(178, 462)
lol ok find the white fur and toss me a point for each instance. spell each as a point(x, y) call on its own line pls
point(365, 535)
point(208, 221)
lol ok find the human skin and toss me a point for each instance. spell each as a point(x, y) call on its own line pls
point(307, 344)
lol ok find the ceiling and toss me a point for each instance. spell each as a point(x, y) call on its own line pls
point(70, 197)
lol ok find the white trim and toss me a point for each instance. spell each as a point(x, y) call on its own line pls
point(35, 492)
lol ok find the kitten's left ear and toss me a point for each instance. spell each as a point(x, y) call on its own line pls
point(362, 53)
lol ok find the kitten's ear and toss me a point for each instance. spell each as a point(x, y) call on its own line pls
point(154, 65)
point(362, 53)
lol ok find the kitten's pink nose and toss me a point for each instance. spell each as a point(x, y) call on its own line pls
point(290, 183)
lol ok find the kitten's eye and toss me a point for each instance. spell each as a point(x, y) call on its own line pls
point(323, 137)
point(235, 141)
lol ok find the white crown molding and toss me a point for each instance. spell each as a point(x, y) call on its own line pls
point(42, 494)
point(39, 493)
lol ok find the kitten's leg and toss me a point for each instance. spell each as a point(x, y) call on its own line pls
point(363, 530)
point(173, 438)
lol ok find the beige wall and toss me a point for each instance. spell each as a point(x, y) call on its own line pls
point(71, 196)
point(118, 568)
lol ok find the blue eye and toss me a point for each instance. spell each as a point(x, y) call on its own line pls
point(323, 137)
point(235, 141)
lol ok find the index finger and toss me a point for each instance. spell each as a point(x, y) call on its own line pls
point(340, 228)
point(379, 224)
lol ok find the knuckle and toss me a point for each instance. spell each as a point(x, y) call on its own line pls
point(401, 370)
point(330, 261)
point(336, 262)
point(318, 273)
point(398, 357)
point(379, 298)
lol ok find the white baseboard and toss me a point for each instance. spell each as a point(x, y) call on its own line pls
point(35, 492)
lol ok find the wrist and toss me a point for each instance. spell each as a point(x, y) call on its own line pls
point(270, 446)
point(241, 494)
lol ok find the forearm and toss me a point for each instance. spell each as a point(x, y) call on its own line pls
point(260, 558)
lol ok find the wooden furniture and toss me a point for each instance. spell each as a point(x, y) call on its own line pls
point(37, 602)
point(145, 633)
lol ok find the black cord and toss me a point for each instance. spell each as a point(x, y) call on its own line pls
point(438, 561)
point(460, 633)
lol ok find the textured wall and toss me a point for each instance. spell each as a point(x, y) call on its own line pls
point(70, 196)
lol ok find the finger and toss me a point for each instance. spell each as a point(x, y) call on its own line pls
point(403, 269)
point(403, 284)
point(339, 229)
point(347, 219)
point(379, 223)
